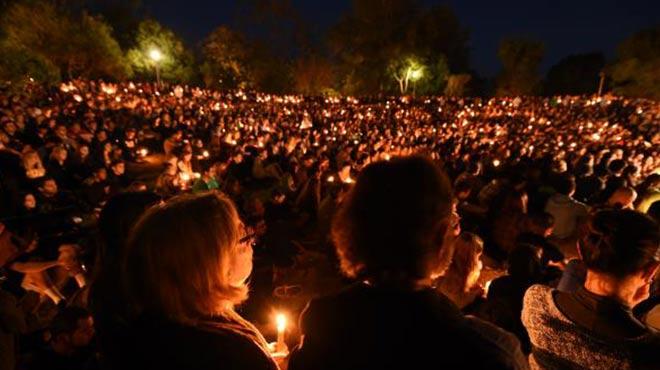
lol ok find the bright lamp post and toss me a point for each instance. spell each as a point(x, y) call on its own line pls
point(415, 75)
point(156, 56)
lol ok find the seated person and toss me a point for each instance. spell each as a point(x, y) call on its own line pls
point(389, 234)
point(593, 327)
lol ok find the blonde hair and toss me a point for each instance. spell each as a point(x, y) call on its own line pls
point(467, 249)
point(179, 259)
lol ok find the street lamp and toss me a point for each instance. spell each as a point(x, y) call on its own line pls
point(415, 75)
point(156, 56)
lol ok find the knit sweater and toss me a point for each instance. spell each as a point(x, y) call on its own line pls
point(558, 343)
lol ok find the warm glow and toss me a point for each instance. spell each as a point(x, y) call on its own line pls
point(331, 179)
point(496, 162)
point(185, 176)
point(144, 152)
point(280, 320)
point(205, 154)
point(155, 55)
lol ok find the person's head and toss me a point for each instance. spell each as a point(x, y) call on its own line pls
point(48, 187)
point(616, 167)
point(621, 250)
point(565, 184)
point(83, 151)
point(29, 202)
point(101, 136)
point(622, 198)
point(540, 223)
point(466, 264)
point(101, 174)
point(188, 258)
point(524, 263)
point(60, 131)
point(71, 329)
point(118, 168)
point(59, 154)
point(393, 222)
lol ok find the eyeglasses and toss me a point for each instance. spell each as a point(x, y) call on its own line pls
point(251, 239)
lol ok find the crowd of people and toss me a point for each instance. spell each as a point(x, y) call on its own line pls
point(144, 225)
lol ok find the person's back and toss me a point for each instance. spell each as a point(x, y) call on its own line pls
point(153, 343)
point(365, 327)
point(561, 343)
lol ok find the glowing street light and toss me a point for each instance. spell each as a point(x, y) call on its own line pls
point(416, 74)
point(156, 56)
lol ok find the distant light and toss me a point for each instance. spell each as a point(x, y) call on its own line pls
point(155, 55)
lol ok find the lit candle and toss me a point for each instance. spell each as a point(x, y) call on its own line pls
point(280, 320)
point(144, 152)
point(496, 162)
point(331, 179)
point(205, 154)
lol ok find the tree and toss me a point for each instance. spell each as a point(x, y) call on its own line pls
point(369, 42)
point(313, 75)
point(575, 75)
point(177, 63)
point(521, 59)
point(406, 70)
point(456, 84)
point(226, 56)
point(57, 40)
point(637, 69)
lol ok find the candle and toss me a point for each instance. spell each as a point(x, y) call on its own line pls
point(496, 162)
point(331, 179)
point(143, 152)
point(205, 154)
point(280, 320)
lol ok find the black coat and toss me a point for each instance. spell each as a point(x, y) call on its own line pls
point(367, 327)
point(151, 343)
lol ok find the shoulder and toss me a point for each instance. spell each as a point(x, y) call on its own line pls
point(502, 347)
point(536, 303)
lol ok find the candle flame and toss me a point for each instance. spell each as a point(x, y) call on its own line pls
point(280, 320)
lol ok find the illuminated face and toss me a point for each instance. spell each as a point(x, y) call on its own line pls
point(49, 188)
point(119, 169)
point(84, 151)
point(30, 202)
point(61, 155)
point(61, 132)
point(102, 174)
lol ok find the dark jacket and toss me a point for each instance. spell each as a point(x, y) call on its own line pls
point(367, 327)
point(150, 343)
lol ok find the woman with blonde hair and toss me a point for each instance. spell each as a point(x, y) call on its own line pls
point(185, 268)
point(459, 283)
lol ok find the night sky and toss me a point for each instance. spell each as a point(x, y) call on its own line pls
point(566, 27)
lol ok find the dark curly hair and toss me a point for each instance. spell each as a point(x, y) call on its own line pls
point(388, 225)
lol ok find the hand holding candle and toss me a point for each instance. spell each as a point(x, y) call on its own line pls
point(279, 348)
